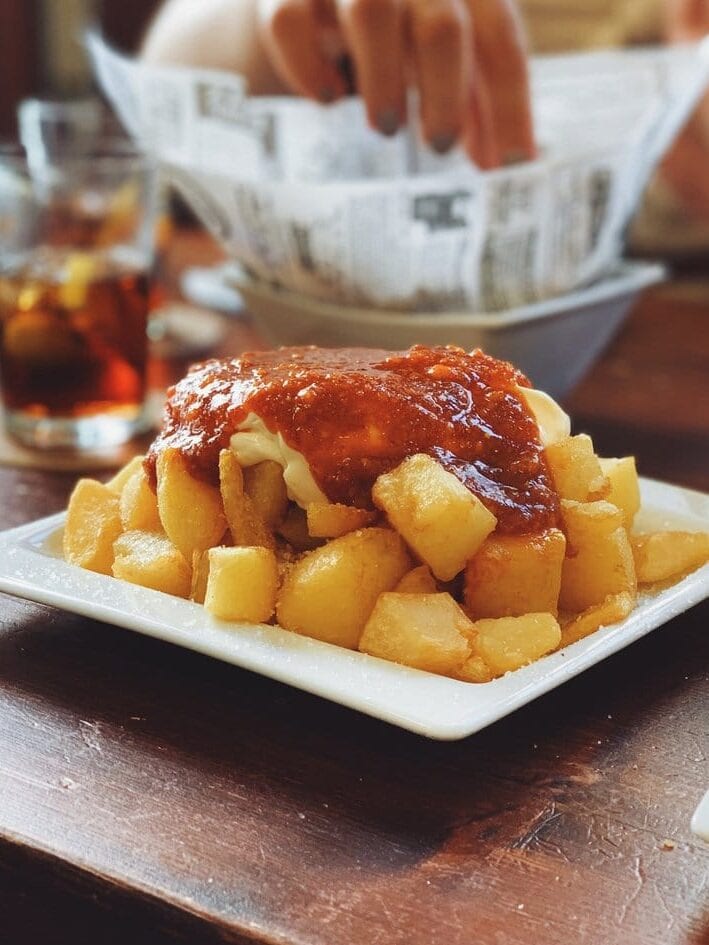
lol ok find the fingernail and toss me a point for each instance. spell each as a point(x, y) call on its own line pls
point(327, 94)
point(442, 143)
point(515, 157)
point(346, 70)
point(388, 121)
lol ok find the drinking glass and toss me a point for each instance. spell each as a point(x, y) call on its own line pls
point(76, 246)
point(46, 126)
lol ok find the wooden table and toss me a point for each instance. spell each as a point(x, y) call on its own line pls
point(150, 795)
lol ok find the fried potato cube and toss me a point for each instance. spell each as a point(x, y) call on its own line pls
point(426, 631)
point(242, 584)
point(264, 485)
point(151, 560)
point(435, 514)
point(624, 486)
point(93, 522)
point(660, 556)
point(124, 474)
point(330, 520)
point(475, 670)
point(190, 510)
point(575, 469)
point(246, 526)
point(513, 575)
point(599, 559)
point(507, 643)
point(139, 504)
point(614, 608)
point(331, 591)
point(294, 529)
point(200, 573)
point(418, 581)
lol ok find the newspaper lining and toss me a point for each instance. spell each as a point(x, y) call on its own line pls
point(309, 198)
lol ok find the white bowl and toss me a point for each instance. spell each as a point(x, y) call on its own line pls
point(554, 342)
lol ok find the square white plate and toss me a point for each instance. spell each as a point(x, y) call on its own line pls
point(31, 566)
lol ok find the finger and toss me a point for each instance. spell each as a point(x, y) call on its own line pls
point(374, 34)
point(293, 41)
point(479, 137)
point(441, 42)
point(501, 56)
point(330, 35)
point(686, 20)
point(684, 170)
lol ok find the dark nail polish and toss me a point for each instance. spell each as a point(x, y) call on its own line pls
point(388, 121)
point(442, 143)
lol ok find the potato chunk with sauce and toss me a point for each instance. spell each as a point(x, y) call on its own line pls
point(614, 608)
point(93, 522)
point(117, 483)
point(139, 504)
point(418, 581)
point(475, 670)
point(624, 491)
point(200, 573)
point(599, 559)
point(330, 592)
point(264, 485)
point(426, 631)
point(435, 514)
point(663, 555)
point(191, 510)
point(575, 469)
point(508, 643)
point(515, 574)
point(151, 560)
point(330, 520)
point(247, 527)
point(241, 584)
point(294, 530)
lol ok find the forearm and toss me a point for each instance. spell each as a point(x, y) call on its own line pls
point(216, 34)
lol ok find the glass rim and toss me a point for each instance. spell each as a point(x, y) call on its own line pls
point(60, 104)
point(108, 153)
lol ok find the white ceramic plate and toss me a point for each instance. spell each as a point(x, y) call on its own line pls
point(31, 566)
point(700, 820)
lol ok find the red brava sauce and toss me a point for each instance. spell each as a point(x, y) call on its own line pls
point(355, 413)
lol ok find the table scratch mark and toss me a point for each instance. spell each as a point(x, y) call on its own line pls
point(27, 779)
point(534, 834)
point(634, 892)
point(90, 732)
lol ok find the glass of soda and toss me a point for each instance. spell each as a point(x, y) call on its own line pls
point(76, 248)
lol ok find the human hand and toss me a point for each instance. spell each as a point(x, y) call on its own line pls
point(467, 59)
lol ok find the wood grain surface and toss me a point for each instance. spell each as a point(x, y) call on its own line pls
point(148, 794)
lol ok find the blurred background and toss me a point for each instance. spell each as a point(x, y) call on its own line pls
point(44, 57)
